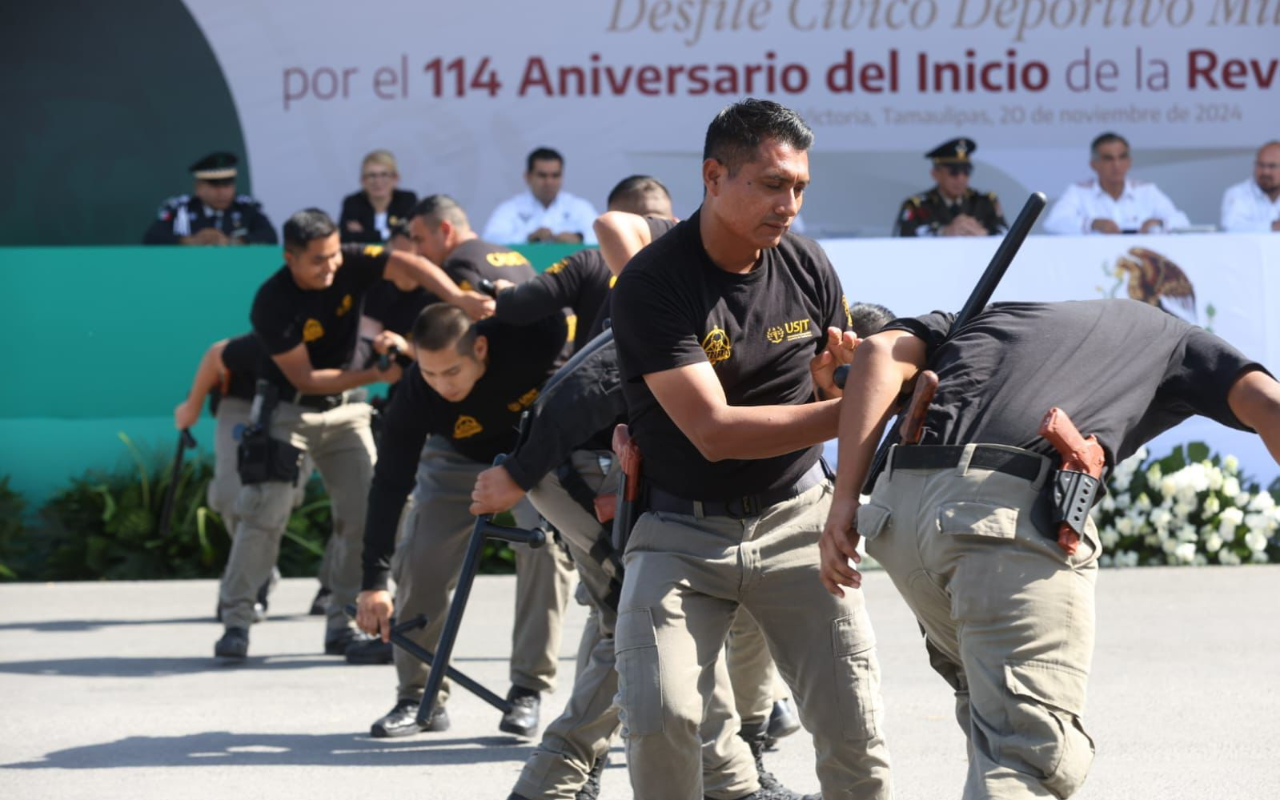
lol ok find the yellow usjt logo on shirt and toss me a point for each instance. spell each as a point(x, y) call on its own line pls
point(523, 401)
point(848, 315)
point(466, 426)
point(376, 249)
point(345, 305)
point(717, 346)
point(312, 330)
point(508, 259)
point(792, 331)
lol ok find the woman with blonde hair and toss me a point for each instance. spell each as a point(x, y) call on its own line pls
point(371, 214)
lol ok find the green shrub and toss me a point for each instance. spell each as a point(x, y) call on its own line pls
point(106, 525)
point(12, 539)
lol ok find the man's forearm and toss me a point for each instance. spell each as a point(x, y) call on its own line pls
point(1255, 399)
point(335, 381)
point(208, 375)
point(426, 274)
point(875, 381)
point(750, 432)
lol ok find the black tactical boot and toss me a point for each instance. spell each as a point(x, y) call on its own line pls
point(770, 787)
point(591, 789)
point(402, 720)
point(233, 644)
point(783, 721)
point(522, 719)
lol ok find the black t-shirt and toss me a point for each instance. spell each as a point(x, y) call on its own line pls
point(579, 283)
point(657, 227)
point(480, 426)
point(673, 307)
point(1124, 371)
point(327, 320)
point(396, 310)
point(240, 358)
point(475, 259)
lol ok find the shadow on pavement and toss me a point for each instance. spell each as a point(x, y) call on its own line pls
point(82, 625)
point(142, 667)
point(221, 748)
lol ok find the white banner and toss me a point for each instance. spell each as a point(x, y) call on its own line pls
point(461, 92)
point(1234, 280)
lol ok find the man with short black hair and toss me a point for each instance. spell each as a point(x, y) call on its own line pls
point(216, 214)
point(728, 330)
point(543, 213)
point(1112, 202)
point(305, 317)
point(454, 411)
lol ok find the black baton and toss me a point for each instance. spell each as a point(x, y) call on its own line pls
point(484, 529)
point(185, 440)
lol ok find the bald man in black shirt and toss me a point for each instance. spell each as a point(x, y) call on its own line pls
point(962, 522)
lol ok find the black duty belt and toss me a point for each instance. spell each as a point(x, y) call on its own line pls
point(322, 402)
point(997, 459)
point(751, 505)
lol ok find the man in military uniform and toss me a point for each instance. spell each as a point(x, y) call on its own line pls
point(951, 207)
point(216, 214)
point(963, 521)
point(728, 330)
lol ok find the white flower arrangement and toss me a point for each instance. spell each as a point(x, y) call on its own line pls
point(1188, 508)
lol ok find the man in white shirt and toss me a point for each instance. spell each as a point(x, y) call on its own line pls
point(543, 213)
point(1112, 202)
point(1254, 206)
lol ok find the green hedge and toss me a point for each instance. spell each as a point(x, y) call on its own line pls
point(106, 526)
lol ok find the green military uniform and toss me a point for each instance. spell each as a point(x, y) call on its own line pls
point(927, 213)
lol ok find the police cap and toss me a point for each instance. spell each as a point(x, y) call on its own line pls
point(954, 152)
point(215, 167)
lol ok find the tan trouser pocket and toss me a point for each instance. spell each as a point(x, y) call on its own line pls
point(1045, 704)
point(857, 678)
point(872, 520)
point(639, 673)
point(978, 519)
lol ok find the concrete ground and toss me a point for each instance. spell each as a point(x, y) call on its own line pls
point(108, 690)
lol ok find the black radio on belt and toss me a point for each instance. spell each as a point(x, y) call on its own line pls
point(259, 458)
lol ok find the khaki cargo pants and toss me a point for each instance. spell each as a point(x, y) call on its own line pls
point(232, 418)
point(428, 562)
point(340, 443)
point(581, 735)
point(1009, 617)
point(686, 578)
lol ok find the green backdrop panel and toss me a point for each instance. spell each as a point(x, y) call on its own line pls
point(106, 339)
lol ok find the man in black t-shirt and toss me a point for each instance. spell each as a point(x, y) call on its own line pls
point(227, 375)
point(962, 522)
point(728, 330)
point(455, 409)
point(305, 319)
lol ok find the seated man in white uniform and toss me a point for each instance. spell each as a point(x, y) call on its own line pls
point(1253, 206)
point(543, 213)
point(1112, 202)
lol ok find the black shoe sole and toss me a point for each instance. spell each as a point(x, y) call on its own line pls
point(517, 730)
point(397, 733)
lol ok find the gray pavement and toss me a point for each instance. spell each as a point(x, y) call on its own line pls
point(109, 690)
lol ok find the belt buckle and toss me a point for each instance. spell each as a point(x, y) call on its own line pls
point(749, 504)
